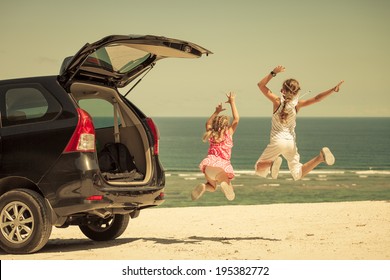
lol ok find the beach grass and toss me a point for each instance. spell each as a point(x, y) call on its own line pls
point(253, 190)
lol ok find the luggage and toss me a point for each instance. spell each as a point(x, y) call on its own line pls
point(115, 160)
point(116, 163)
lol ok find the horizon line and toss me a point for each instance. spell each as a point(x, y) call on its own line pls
point(301, 117)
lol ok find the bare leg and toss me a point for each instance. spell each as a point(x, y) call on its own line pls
point(211, 184)
point(200, 189)
point(263, 166)
point(226, 187)
point(215, 176)
point(210, 188)
point(222, 177)
point(313, 163)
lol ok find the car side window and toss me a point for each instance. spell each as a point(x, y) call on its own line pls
point(101, 111)
point(29, 104)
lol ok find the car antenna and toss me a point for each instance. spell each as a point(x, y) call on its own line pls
point(138, 81)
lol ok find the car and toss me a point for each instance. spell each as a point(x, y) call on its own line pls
point(57, 162)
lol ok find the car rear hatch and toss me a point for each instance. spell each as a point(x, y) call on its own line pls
point(119, 59)
point(114, 62)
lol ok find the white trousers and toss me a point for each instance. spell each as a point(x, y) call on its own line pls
point(288, 149)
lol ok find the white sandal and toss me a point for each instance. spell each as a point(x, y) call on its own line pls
point(328, 156)
point(198, 191)
point(228, 190)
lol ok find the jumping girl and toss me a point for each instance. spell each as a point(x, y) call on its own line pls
point(282, 140)
point(216, 166)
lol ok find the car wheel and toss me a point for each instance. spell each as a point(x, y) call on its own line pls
point(106, 229)
point(25, 224)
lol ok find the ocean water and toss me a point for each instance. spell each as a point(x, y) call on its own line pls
point(361, 171)
point(359, 144)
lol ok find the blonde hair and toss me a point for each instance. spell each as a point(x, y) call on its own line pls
point(290, 89)
point(218, 128)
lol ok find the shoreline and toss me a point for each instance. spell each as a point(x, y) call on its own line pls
point(287, 172)
point(320, 186)
point(302, 231)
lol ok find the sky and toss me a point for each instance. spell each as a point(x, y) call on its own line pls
point(319, 43)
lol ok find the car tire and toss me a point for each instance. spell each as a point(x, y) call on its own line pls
point(25, 224)
point(106, 229)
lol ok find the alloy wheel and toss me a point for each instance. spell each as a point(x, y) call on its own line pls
point(17, 222)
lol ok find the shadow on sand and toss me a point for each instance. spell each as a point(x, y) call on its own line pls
point(74, 245)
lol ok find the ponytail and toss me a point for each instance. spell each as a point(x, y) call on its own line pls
point(290, 89)
point(219, 126)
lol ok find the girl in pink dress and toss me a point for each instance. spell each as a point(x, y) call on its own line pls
point(216, 166)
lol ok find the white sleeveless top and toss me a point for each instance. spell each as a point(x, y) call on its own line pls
point(285, 130)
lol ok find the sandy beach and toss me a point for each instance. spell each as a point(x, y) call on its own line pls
point(312, 231)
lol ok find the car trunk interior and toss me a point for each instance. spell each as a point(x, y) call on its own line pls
point(101, 103)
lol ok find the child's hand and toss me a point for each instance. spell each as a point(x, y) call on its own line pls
point(337, 88)
point(231, 97)
point(219, 108)
point(279, 69)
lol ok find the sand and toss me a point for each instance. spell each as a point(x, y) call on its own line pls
point(312, 231)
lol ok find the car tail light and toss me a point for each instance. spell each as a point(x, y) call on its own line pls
point(155, 134)
point(94, 197)
point(161, 196)
point(83, 138)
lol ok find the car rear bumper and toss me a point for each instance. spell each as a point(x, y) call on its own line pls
point(75, 185)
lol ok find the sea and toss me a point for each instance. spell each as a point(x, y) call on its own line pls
point(361, 171)
point(358, 144)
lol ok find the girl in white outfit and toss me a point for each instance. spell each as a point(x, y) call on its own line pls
point(282, 140)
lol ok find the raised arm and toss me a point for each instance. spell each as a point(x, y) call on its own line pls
point(236, 117)
point(319, 97)
point(263, 85)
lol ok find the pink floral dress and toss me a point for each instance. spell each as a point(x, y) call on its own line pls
point(219, 155)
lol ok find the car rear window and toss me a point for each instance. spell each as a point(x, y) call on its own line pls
point(116, 58)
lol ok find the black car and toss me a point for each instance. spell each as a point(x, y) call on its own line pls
point(55, 138)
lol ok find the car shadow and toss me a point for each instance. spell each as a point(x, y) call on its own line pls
point(228, 239)
point(78, 244)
